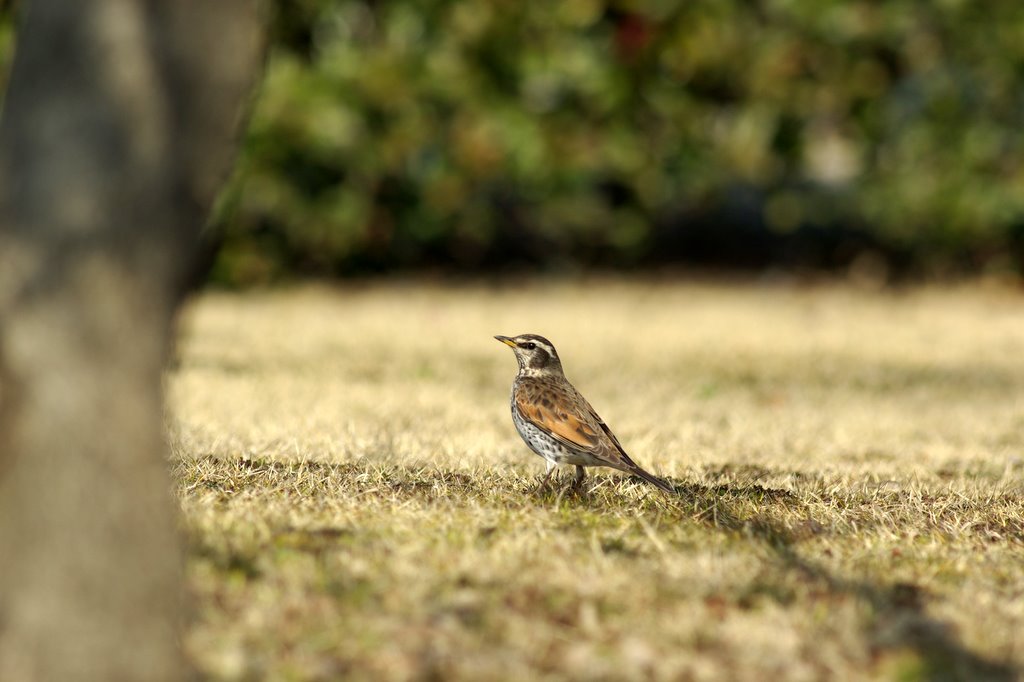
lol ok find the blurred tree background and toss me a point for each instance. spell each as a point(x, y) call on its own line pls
point(491, 134)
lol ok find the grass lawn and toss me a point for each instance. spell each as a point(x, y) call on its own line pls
point(850, 467)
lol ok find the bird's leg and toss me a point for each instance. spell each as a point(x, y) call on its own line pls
point(544, 481)
point(577, 480)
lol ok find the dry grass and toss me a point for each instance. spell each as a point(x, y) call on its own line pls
point(849, 466)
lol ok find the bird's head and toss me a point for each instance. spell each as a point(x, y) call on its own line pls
point(535, 354)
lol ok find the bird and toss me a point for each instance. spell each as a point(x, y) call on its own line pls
point(556, 421)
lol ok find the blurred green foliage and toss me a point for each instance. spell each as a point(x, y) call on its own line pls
point(7, 11)
point(475, 134)
point(416, 131)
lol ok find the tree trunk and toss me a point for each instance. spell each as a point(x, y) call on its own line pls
point(118, 126)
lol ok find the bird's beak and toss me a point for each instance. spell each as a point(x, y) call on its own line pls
point(507, 341)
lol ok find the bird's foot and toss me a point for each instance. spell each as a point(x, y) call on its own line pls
point(541, 488)
point(543, 485)
point(577, 480)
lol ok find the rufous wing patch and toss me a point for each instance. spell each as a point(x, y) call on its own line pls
point(559, 419)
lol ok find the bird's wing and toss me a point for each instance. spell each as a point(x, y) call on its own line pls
point(553, 411)
point(568, 417)
point(616, 454)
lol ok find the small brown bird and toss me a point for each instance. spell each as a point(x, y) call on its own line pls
point(556, 421)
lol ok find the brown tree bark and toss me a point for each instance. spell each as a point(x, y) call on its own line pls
point(119, 124)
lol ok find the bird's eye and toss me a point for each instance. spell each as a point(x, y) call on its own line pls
point(530, 345)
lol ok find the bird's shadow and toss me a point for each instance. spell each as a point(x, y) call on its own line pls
point(598, 491)
point(899, 619)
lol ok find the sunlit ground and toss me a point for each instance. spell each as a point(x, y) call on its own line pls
point(850, 469)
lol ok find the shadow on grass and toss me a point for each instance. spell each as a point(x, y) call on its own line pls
point(899, 618)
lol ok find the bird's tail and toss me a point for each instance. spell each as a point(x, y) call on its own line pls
point(653, 480)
